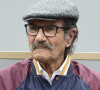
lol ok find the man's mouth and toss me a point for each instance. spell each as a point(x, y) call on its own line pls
point(40, 47)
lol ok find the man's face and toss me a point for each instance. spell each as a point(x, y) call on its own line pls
point(42, 53)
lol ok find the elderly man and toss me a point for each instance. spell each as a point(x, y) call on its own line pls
point(51, 30)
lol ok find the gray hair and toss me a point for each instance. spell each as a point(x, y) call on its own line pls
point(69, 23)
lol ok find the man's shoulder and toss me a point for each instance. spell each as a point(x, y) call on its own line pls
point(17, 66)
point(14, 74)
point(88, 75)
point(82, 69)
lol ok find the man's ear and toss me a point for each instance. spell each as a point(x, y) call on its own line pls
point(70, 36)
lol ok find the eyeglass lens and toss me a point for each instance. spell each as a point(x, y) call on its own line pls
point(47, 30)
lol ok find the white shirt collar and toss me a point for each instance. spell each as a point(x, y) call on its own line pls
point(61, 71)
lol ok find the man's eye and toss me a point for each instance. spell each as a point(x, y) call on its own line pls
point(33, 28)
point(50, 28)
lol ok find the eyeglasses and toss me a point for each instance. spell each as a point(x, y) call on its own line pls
point(48, 31)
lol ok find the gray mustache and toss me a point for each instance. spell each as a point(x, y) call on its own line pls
point(46, 45)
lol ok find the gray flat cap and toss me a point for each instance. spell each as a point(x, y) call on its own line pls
point(52, 10)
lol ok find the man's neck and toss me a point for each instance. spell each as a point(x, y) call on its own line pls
point(51, 67)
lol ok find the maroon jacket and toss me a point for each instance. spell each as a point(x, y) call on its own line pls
point(11, 77)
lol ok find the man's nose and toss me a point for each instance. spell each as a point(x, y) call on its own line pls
point(40, 37)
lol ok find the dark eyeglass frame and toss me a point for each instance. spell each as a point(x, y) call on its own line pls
point(42, 27)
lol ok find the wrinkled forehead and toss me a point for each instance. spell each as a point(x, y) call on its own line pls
point(59, 22)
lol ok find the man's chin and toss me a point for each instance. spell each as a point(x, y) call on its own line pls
point(40, 58)
point(39, 55)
